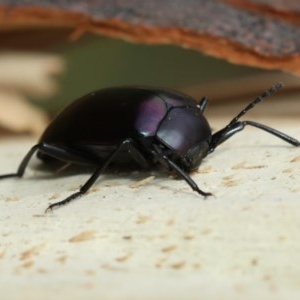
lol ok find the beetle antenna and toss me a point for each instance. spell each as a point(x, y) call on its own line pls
point(257, 100)
point(235, 125)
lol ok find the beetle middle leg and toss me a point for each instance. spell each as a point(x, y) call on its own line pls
point(99, 170)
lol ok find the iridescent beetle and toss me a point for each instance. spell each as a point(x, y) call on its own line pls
point(148, 126)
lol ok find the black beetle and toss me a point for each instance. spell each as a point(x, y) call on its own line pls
point(147, 125)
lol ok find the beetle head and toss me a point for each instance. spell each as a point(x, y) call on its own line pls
point(186, 133)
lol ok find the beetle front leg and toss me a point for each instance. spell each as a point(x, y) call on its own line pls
point(181, 173)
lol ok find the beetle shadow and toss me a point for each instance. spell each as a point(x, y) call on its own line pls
point(59, 169)
point(127, 175)
point(256, 147)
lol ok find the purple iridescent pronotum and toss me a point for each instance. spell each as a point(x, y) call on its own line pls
point(146, 126)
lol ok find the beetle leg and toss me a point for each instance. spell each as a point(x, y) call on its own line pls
point(181, 173)
point(136, 154)
point(23, 164)
point(92, 179)
point(203, 104)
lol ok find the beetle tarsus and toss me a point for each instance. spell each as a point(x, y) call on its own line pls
point(9, 175)
point(63, 202)
point(204, 194)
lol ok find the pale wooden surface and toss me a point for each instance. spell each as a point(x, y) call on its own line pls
point(159, 240)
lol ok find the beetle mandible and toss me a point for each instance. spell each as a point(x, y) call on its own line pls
point(147, 125)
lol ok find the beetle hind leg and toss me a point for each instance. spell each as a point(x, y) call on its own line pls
point(23, 164)
point(84, 189)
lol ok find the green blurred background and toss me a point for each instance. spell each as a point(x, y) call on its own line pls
point(95, 62)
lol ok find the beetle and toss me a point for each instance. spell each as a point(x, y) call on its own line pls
point(149, 126)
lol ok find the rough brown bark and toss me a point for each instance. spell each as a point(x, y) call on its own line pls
point(257, 33)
